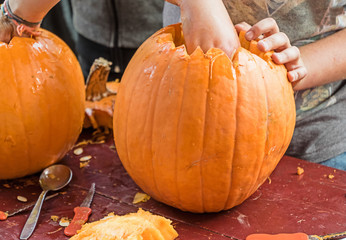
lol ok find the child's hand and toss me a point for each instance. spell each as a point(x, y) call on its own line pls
point(6, 29)
point(272, 39)
point(10, 28)
point(207, 24)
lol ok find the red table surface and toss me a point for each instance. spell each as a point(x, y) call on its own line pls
point(312, 202)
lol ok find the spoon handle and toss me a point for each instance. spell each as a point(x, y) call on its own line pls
point(31, 222)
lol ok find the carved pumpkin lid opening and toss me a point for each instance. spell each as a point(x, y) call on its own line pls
point(174, 35)
point(177, 35)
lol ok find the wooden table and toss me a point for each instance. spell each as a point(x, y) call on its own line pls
point(314, 202)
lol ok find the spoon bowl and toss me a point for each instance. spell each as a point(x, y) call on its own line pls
point(52, 178)
point(55, 177)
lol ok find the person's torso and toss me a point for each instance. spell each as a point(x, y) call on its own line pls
point(299, 19)
point(125, 22)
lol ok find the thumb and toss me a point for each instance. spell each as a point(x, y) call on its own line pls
point(243, 26)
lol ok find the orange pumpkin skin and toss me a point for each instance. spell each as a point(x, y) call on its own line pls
point(42, 98)
point(201, 132)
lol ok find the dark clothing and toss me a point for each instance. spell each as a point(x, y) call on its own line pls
point(88, 51)
point(113, 29)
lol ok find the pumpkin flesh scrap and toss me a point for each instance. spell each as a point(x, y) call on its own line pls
point(141, 225)
point(212, 129)
point(100, 96)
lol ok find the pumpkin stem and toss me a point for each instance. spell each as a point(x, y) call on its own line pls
point(96, 88)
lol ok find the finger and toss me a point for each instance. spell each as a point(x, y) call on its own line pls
point(228, 48)
point(196, 42)
point(243, 26)
point(277, 42)
point(266, 27)
point(297, 74)
point(7, 31)
point(192, 45)
point(5, 37)
point(290, 54)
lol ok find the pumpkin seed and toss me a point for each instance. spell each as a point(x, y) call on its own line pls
point(85, 158)
point(64, 222)
point(22, 199)
point(78, 151)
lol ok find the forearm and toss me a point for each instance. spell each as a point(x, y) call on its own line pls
point(204, 23)
point(325, 61)
point(31, 10)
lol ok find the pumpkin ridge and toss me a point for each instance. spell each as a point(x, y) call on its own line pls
point(161, 145)
point(271, 65)
point(155, 78)
point(20, 104)
point(246, 60)
point(179, 127)
point(12, 81)
point(127, 126)
point(69, 108)
point(176, 146)
point(50, 116)
point(49, 124)
point(287, 136)
point(211, 62)
point(235, 129)
point(124, 88)
point(231, 198)
point(293, 106)
point(263, 158)
point(125, 162)
point(126, 144)
point(188, 164)
point(256, 182)
point(157, 89)
point(213, 54)
point(279, 69)
point(260, 181)
point(72, 99)
point(48, 141)
point(127, 86)
point(259, 61)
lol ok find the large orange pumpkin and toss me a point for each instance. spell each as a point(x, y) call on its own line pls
point(42, 98)
point(202, 132)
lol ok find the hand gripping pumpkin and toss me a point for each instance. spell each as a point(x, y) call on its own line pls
point(202, 132)
point(42, 98)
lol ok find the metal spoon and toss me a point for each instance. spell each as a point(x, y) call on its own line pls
point(52, 178)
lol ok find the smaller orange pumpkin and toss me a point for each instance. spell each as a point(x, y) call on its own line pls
point(42, 95)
